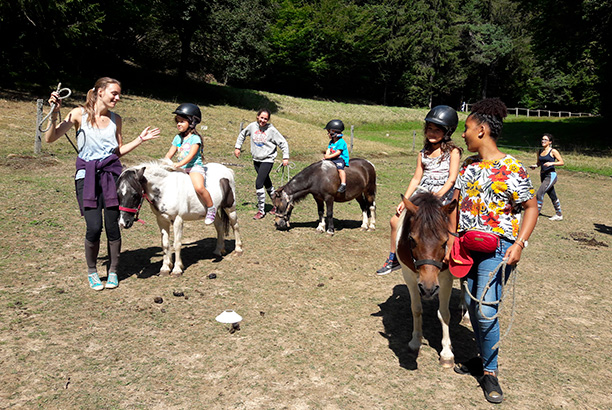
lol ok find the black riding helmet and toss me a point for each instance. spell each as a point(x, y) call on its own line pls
point(335, 125)
point(444, 116)
point(189, 111)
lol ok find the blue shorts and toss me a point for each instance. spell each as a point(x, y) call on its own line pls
point(339, 162)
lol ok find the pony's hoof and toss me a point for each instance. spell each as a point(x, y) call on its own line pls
point(239, 252)
point(330, 233)
point(371, 228)
point(447, 363)
point(363, 229)
point(164, 272)
point(176, 274)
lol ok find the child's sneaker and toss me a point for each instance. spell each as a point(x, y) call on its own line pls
point(389, 266)
point(210, 215)
point(556, 218)
point(112, 281)
point(342, 188)
point(94, 281)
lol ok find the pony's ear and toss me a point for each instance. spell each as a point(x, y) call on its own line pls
point(449, 208)
point(140, 173)
point(410, 207)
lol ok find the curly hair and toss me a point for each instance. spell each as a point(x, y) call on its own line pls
point(491, 111)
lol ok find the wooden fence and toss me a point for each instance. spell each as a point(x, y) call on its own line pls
point(527, 112)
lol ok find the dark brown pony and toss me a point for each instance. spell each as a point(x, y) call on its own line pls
point(321, 179)
point(421, 247)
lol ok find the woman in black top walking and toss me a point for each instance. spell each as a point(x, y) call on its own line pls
point(548, 158)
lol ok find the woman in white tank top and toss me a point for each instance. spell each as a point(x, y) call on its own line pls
point(100, 144)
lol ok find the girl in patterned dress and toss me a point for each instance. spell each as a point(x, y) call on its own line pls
point(492, 188)
point(436, 169)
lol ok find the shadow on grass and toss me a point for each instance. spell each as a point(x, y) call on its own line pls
point(146, 83)
point(582, 135)
point(603, 228)
point(147, 262)
point(397, 321)
point(339, 224)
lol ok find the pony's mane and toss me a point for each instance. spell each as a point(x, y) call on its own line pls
point(429, 214)
point(158, 167)
point(298, 185)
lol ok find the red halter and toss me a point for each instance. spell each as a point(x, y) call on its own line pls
point(136, 211)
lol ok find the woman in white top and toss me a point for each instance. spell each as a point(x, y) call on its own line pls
point(100, 144)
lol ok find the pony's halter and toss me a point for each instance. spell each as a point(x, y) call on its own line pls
point(420, 262)
point(135, 211)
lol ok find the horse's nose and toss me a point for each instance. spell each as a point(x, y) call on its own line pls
point(281, 224)
point(428, 292)
point(125, 223)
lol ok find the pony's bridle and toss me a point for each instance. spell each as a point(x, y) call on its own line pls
point(135, 211)
point(420, 262)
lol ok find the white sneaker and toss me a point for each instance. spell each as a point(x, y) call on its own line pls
point(556, 218)
point(210, 215)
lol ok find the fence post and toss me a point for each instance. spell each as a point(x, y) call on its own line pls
point(352, 130)
point(38, 136)
point(413, 139)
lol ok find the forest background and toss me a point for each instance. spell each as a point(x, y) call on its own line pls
point(538, 54)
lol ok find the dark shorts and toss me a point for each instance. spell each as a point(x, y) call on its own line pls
point(339, 162)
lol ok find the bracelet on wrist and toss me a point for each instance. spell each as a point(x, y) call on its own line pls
point(140, 138)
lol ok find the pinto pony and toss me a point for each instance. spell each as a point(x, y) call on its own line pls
point(322, 181)
point(173, 200)
point(421, 246)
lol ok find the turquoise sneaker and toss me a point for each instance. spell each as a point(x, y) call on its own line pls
point(94, 281)
point(112, 281)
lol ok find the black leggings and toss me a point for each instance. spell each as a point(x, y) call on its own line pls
point(263, 174)
point(93, 216)
point(547, 187)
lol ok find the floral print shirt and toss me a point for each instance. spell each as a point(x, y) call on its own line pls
point(490, 195)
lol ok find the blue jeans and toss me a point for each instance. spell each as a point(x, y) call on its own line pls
point(486, 331)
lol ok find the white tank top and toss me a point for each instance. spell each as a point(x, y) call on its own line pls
point(95, 143)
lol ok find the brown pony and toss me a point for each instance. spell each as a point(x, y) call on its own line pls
point(421, 245)
point(321, 180)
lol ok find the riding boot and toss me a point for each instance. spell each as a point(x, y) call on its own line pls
point(261, 200)
point(91, 255)
point(114, 250)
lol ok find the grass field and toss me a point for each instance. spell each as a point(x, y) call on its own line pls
point(320, 329)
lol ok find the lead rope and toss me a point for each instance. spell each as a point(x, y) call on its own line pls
point(282, 170)
point(480, 302)
point(67, 94)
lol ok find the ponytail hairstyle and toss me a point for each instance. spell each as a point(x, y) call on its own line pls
point(92, 97)
point(490, 111)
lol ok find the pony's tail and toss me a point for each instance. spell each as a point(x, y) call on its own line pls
point(227, 201)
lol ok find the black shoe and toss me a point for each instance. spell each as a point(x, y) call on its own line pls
point(491, 388)
point(342, 188)
point(472, 367)
point(389, 266)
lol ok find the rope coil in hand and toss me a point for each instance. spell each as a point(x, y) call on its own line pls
point(512, 276)
point(282, 170)
point(59, 91)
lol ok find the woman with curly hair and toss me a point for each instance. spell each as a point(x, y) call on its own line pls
point(492, 188)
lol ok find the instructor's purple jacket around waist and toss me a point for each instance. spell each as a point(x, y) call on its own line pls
point(100, 171)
